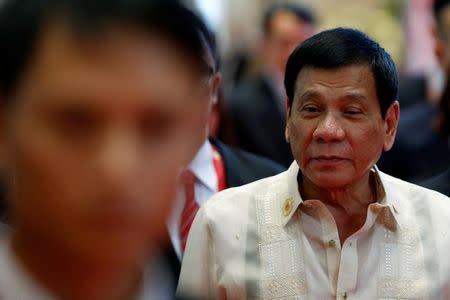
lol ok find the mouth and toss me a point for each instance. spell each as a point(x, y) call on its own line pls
point(329, 159)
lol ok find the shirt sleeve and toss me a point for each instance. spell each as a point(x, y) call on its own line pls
point(198, 276)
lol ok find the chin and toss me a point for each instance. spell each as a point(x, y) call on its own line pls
point(330, 181)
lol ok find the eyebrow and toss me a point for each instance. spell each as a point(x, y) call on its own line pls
point(355, 96)
point(309, 94)
point(350, 96)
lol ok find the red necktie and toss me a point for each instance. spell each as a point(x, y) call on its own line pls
point(220, 170)
point(190, 207)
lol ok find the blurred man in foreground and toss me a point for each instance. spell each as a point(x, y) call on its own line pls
point(102, 103)
point(332, 226)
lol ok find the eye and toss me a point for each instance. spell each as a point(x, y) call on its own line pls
point(154, 126)
point(353, 111)
point(74, 122)
point(310, 109)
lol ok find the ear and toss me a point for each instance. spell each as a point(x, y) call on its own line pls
point(390, 125)
point(216, 81)
point(287, 128)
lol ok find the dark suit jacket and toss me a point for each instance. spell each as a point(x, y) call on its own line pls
point(411, 90)
point(241, 167)
point(440, 183)
point(419, 151)
point(258, 118)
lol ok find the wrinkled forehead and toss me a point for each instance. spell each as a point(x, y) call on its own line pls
point(354, 81)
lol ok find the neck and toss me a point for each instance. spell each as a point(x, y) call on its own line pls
point(69, 277)
point(348, 205)
point(349, 198)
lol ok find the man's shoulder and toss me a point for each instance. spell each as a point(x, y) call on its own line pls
point(419, 198)
point(440, 183)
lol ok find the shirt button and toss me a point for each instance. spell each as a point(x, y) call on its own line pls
point(332, 243)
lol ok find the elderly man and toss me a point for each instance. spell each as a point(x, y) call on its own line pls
point(333, 226)
point(102, 103)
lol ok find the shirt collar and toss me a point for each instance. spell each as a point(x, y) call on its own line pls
point(292, 199)
point(17, 283)
point(203, 166)
point(390, 196)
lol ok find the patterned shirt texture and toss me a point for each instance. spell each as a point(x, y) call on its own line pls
point(263, 241)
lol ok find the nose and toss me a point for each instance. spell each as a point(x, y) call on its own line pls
point(117, 159)
point(329, 129)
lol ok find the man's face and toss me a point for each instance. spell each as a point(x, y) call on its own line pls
point(335, 127)
point(286, 33)
point(95, 137)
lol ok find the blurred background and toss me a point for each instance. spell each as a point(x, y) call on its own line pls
point(251, 110)
point(401, 26)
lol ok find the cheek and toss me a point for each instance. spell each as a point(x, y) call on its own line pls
point(300, 139)
point(50, 178)
point(46, 182)
point(367, 146)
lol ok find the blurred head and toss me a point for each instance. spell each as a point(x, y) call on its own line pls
point(213, 58)
point(441, 13)
point(217, 112)
point(341, 88)
point(102, 103)
point(285, 26)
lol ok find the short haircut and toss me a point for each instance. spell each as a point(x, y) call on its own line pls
point(23, 21)
point(302, 13)
point(341, 47)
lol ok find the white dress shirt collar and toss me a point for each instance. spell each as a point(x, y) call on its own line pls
point(293, 198)
point(15, 282)
point(203, 168)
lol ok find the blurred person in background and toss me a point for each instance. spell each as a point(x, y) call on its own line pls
point(441, 182)
point(332, 226)
point(102, 103)
point(257, 105)
point(420, 150)
point(215, 167)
